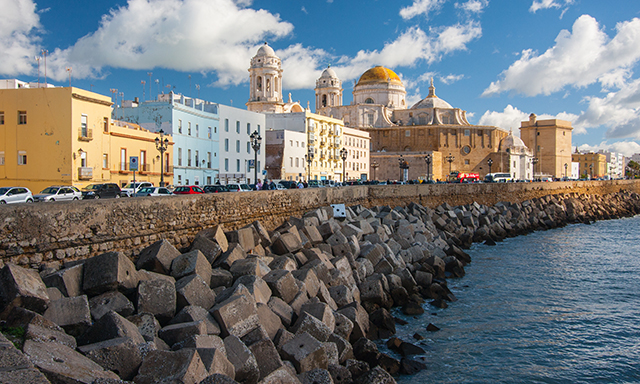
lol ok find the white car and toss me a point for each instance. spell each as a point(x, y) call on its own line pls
point(133, 188)
point(238, 188)
point(154, 191)
point(13, 195)
point(58, 193)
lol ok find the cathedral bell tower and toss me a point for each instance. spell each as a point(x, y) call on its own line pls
point(328, 90)
point(265, 76)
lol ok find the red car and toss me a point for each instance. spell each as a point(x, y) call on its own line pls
point(188, 190)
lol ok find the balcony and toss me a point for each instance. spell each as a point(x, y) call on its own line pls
point(85, 134)
point(323, 143)
point(85, 173)
point(123, 167)
point(144, 168)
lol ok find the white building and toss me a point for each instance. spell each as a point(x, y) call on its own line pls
point(286, 153)
point(356, 142)
point(237, 156)
point(615, 164)
point(520, 158)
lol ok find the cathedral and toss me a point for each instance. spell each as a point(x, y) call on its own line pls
point(427, 140)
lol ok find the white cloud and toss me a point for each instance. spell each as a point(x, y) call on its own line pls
point(19, 39)
point(300, 66)
point(451, 78)
point(473, 6)
point(627, 148)
point(618, 111)
point(184, 35)
point(511, 117)
point(579, 58)
point(304, 10)
point(546, 4)
point(421, 7)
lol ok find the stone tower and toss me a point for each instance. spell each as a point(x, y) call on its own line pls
point(550, 142)
point(265, 76)
point(328, 90)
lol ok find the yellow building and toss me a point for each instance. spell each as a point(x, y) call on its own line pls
point(61, 136)
point(550, 141)
point(591, 165)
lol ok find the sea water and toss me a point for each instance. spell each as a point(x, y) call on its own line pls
point(557, 306)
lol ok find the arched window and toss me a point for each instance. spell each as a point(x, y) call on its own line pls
point(369, 101)
point(259, 83)
point(324, 100)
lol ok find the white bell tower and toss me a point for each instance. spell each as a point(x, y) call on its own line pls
point(265, 76)
point(328, 90)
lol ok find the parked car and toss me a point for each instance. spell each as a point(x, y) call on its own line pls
point(154, 191)
point(188, 190)
point(238, 188)
point(101, 191)
point(133, 188)
point(215, 188)
point(289, 184)
point(58, 193)
point(13, 195)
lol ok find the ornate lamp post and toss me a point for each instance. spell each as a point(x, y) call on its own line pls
point(374, 166)
point(404, 168)
point(309, 158)
point(565, 170)
point(343, 155)
point(490, 163)
point(161, 145)
point(534, 161)
point(428, 159)
point(255, 144)
point(590, 171)
point(450, 159)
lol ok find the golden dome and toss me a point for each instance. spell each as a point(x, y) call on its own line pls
point(379, 75)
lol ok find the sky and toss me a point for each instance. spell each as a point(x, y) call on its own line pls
point(500, 60)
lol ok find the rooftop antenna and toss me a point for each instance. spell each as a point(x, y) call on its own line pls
point(114, 94)
point(150, 82)
point(38, 60)
point(44, 53)
point(158, 84)
point(69, 72)
point(198, 88)
point(121, 104)
point(143, 84)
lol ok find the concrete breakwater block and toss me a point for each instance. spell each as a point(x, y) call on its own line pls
point(299, 304)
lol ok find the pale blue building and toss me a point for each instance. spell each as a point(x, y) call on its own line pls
point(194, 125)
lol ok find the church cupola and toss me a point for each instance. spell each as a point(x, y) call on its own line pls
point(328, 90)
point(265, 76)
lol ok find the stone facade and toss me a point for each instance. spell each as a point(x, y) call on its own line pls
point(550, 141)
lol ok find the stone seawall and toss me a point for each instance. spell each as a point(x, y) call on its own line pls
point(31, 234)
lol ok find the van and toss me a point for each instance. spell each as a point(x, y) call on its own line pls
point(498, 178)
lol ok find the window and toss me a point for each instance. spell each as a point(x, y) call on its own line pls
point(226, 165)
point(188, 157)
point(466, 162)
point(258, 166)
point(467, 132)
point(189, 128)
point(407, 133)
point(1, 158)
point(238, 165)
point(209, 132)
point(105, 161)
point(248, 147)
point(209, 161)
point(258, 128)
point(237, 127)
point(83, 125)
point(123, 159)
point(179, 156)
point(105, 124)
point(226, 125)
point(179, 126)
point(1, 118)
point(238, 146)
point(197, 159)
point(368, 101)
point(197, 130)
point(369, 119)
point(226, 145)
point(291, 161)
point(22, 117)
point(179, 179)
point(248, 128)
point(297, 162)
point(83, 159)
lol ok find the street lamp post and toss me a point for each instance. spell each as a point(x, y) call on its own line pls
point(255, 144)
point(490, 163)
point(309, 158)
point(374, 166)
point(343, 155)
point(590, 171)
point(428, 159)
point(534, 161)
point(450, 159)
point(404, 168)
point(565, 170)
point(161, 145)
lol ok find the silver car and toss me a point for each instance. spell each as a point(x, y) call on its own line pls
point(12, 195)
point(58, 193)
point(154, 191)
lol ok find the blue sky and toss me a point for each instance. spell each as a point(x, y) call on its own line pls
point(576, 60)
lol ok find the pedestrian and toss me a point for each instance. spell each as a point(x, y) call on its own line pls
point(300, 186)
point(265, 186)
point(259, 185)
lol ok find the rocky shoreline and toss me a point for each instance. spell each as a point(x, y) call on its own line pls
point(300, 304)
